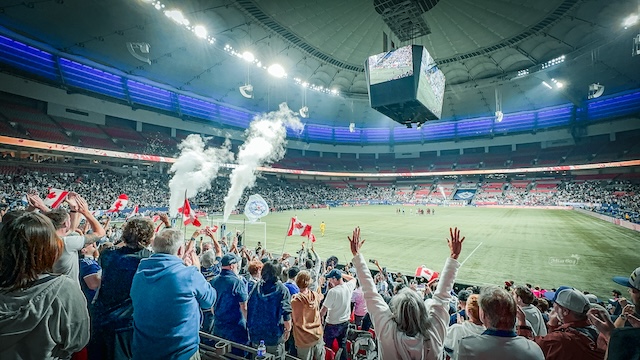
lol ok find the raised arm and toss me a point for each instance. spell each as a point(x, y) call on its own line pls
point(97, 229)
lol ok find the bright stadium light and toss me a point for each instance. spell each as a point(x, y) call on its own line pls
point(248, 56)
point(200, 31)
point(176, 15)
point(557, 83)
point(547, 85)
point(277, 70)
point(630, 21)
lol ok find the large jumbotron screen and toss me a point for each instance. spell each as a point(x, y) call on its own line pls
point(391, 65)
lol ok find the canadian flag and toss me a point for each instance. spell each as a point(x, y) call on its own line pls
point(312, 238)
point(119, 204)
point(133, 213)
point(297, 227)
point(55, 197)
point(427, 273)
point(188, 215)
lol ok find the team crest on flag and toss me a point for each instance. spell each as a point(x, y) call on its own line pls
point(256, 208)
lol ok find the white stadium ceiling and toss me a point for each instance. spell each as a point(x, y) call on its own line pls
point(479, 44)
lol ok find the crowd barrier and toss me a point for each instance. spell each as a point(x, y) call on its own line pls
point(620, 222)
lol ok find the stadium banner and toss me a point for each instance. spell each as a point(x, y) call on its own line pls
point(464, 194)
point(527, 207)
point(7, 140)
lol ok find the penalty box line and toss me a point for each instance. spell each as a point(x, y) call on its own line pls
point(467, 258)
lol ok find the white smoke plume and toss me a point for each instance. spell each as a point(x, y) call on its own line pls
point(266, 137)
point(195, 169)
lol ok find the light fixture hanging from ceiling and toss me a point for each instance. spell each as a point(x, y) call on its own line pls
point(499, 113)
point(304, 110)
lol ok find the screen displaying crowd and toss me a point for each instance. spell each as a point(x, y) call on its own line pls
point(99, 293)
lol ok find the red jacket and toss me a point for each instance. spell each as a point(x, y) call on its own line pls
point(572, 341)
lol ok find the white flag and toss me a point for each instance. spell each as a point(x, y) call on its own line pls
point(256, 208)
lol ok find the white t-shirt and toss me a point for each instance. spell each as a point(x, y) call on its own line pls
point(456, 332)
point(338, 302)
point(68, 263)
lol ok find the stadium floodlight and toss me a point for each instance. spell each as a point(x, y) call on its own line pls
point(630, 21)
point(547, 85)
point(595, 91)
point(277, 70)
point(176, 15)
point(200, 31)
point(557, 83)
point(248, 56)
point(246, 91)
point(553, 62)
point(523, 72)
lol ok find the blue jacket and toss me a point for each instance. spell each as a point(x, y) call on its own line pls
point(167, 298)
point(268, 307)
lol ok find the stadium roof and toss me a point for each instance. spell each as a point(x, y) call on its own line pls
point(480, 45)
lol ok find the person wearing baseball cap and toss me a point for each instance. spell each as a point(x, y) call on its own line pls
point(633, 283)
point(337, 308)
point(571, 336)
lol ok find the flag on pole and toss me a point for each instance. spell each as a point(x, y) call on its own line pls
point(133, 213)
point(120, 203)
point(55, 197)
point(188, 215)
point(312, 238)
point(297, 227)
point(256, 208)
point(427, 273)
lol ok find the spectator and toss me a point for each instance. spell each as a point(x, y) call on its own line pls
point(498, 314)
point(90, 272)
point(337, 309)
point(112, 308)
point(461, 329)
point(230, 309)
point(64, 223)
point(409, 328)
point(291, 283)
point(359, 305)
point(571, 336)
point(524, 299)
point(633, 310)
point(162, 280)
point(269, 311)
point(255, 273)
point(307, 324)
point(463, 295)
point(42, 315)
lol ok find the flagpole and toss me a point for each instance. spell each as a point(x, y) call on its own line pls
point(286, 235)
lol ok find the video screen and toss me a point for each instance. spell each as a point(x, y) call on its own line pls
point(392, 65)
point(431, 85)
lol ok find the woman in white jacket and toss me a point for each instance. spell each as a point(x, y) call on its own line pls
point(409, 328)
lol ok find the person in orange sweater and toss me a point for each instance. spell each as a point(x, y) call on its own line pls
point(307, 324)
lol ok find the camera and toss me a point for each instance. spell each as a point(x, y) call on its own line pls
point(372, 261)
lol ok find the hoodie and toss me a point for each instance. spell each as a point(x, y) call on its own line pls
point(269, 306)
point(167, 297)
point(393, 343)
point(48, 320)
point(305, 313)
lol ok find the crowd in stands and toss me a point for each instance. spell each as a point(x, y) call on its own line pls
point(70, 291)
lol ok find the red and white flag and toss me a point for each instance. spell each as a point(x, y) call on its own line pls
point(119, 204)
point(133, 213)
point(427, 273)
point(55, 197)
point(189, 215)
point(312, 238)
point(297, 227)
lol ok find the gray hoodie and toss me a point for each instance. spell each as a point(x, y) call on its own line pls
point(48, 320)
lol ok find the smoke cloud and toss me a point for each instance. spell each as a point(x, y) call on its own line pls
point(266, 137)
point(195, 169)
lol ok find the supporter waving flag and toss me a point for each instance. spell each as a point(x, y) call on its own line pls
point(188, 214)
point(55, 197)
point(427, 273)
point(297, 227)
point(120, 203)
point(133, 213)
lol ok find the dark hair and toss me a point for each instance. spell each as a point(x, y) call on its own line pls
point(525, 294)
point(293, 271)
point(30, 247)
point(308, 264)
point(138, 231)
point(58, 217)
point(270, 271)
point(11, 215)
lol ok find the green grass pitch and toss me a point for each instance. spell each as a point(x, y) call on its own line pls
point(542, 247)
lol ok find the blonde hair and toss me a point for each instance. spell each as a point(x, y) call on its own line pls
point(303, 279)
point(473, 308)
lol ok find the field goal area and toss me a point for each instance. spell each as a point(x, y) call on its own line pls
point(252, 232)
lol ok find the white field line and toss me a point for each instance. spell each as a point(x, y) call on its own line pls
point(474, 250)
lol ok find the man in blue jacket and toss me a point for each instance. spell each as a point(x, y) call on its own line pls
point(167, 297)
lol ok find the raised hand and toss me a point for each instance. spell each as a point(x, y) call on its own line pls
point(355, 241)
point(72, 201)
point(83, 206)
point(209, 233)
point(455, 243)
point(601, 320)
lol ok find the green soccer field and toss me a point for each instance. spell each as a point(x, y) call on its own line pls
point(542, 247)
